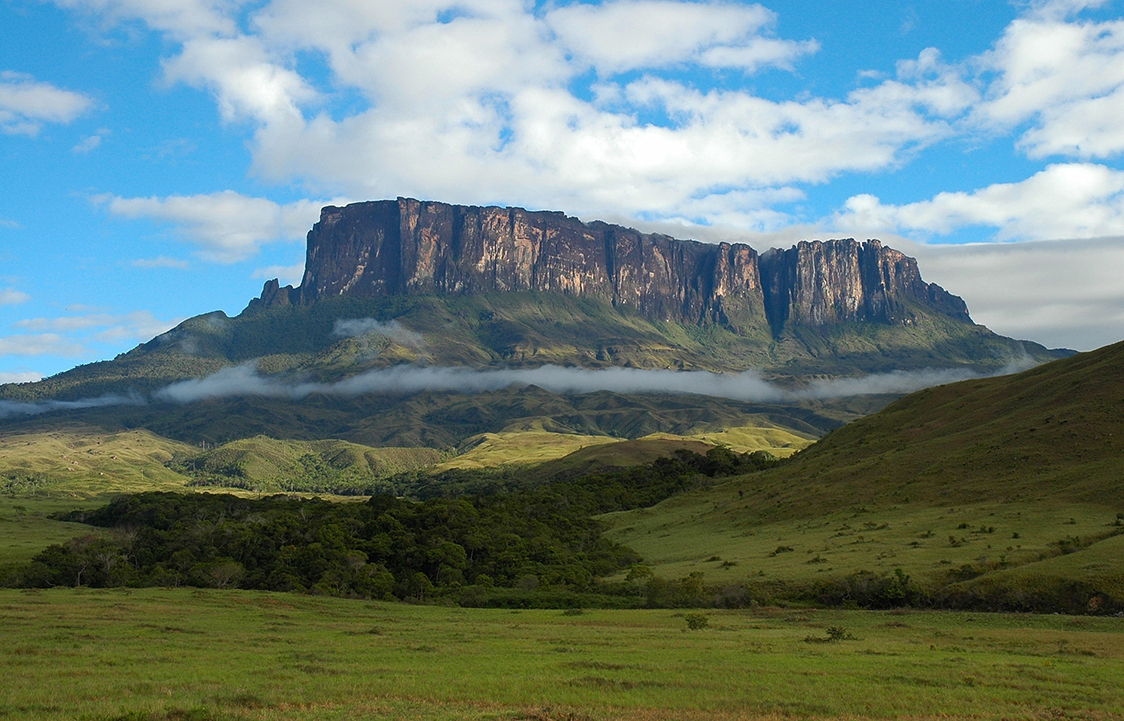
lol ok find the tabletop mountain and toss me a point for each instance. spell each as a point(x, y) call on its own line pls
point(410, 247)
point(405, 281)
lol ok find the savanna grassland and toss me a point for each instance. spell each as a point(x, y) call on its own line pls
point(992, 494)
point(206, 654)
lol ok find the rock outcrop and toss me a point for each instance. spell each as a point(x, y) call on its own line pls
point(407, 246)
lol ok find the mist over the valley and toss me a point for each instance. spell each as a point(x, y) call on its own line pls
point(402, 380)
point(245, 381)
point(10, 409)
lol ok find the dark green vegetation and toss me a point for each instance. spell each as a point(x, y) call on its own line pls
point(163, 654)
point(461, 548)
point(1003, 493)
point(493, 330)
point(445, 420)
point(517, 329)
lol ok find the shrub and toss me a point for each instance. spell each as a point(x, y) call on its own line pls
point(696, 621)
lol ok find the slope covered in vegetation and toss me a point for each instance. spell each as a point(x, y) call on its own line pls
point(976, 489)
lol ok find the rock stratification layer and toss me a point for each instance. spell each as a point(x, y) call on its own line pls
point(407, 246)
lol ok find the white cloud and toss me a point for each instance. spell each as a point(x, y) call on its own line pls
point(627, 35)
point(41, 344)
point(90, 143)
point(473, 101)
point(1073, 200)
point(160, 262)
point(227, 226)
point(359, 327)
point(87, 145)
point(246, 81)
point(1067, 77)
point(244, 380)
point(20, 377)
point(1062, 293)
point(26, 104)
point(286, 274)
point(181, 19)
point(11, 296)
point(138, 326)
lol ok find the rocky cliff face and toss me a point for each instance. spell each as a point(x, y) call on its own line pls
point(407, 246)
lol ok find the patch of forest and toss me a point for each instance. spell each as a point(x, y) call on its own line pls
point(534, 546)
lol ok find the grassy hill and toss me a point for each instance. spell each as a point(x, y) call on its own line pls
point(330, 466)
point(984, 484)
point(83, 460)
point(535, 444)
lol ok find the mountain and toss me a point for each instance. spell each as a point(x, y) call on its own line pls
point(412, 283)
point(409, 247)
point(1003, 492)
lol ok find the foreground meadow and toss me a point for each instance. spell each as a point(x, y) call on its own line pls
point(205, 654)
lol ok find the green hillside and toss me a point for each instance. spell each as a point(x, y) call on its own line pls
point(446, 420)
point(517, 330)
point(331, 466)
point(991, 482)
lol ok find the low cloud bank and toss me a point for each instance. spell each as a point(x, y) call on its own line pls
point(748, 386)
point(245, 381)
point(10, 409)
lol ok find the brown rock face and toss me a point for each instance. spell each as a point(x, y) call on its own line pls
point(821, 283)
point(408, 246)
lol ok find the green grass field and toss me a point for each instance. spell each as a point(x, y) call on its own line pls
point(706, 532)
point(193, 654)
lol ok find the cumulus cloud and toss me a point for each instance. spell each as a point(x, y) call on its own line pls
point(20, 377)
point(40, 344)
point(139, 325)
point(482, 100)
point(1065, 76)
point(226, 226)
point(1068, 200)
point(27, 104)
point(11, 296)
point(358, 327)
point(244, 380)
point(90, 143)
point(631, 34)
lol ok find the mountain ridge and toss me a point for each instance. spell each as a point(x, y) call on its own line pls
point(411, 247)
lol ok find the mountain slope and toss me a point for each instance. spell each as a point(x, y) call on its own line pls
point(951, 483)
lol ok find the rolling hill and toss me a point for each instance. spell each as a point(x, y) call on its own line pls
point(984, 489)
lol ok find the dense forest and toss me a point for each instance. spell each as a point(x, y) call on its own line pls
point(466, 548)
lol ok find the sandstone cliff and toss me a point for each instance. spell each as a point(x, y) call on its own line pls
point(407, 246)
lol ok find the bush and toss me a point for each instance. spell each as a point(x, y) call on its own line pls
point(696, 621)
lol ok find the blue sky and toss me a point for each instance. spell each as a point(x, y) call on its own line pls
point(161, 160)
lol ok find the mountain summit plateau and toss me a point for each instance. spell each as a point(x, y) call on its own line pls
point(411, 247)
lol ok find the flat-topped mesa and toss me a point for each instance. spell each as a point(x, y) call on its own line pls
point(406, 246)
